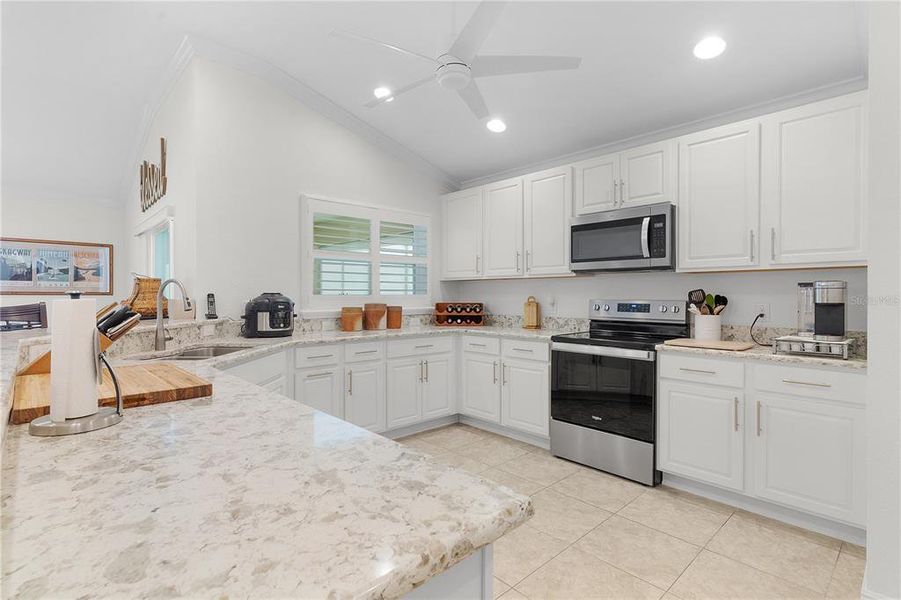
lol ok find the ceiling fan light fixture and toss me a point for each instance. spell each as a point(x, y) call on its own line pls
point(381, 92)
point(453, 76)
point(710, 47)
point(496, 126)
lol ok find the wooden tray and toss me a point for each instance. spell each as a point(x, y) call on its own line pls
point(153, 383)
point(712, 345)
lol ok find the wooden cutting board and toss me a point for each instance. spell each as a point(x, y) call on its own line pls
point(153, 383)
point(712, 345)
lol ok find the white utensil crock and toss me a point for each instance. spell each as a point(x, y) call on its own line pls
point(709, 327)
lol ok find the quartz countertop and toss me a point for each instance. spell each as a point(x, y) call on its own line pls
point(765, 354)
point(245, 493)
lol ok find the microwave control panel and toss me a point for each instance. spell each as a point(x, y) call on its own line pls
point(657, 236)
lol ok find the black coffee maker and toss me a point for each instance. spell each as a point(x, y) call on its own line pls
point(270, 314)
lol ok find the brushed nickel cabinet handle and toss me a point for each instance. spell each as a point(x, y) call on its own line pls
point(503, 374)
point(697, 371)
point(517, 261)
point(476, 345)
point(622, 191)
point(350, 382)
point(424, 346)
point(735, 412)
point(615, 184)
point(751, 244)
point(319, 375)
point(426, 371)
point(528, 256)
point(758, 418)
point(420, 372)
point(524, 350)
point(773, 243)
point(320, 356)
point(822, 385)
point(358, 352)
point(494, 371)
point(478, 263)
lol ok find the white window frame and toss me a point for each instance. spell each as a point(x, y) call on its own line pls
point(148, 228)
point(313, 305)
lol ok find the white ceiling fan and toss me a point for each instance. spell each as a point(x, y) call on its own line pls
point(458, 68)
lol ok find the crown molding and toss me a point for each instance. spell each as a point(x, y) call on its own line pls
point(179, 62)
point(832, 90)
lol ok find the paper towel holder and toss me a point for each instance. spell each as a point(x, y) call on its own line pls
point(105, 417)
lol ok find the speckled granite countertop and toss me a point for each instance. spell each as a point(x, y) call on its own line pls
point(765, 354)
point(246, 493)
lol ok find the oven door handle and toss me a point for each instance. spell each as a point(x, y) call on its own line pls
point(645, 226)
point(645, 355)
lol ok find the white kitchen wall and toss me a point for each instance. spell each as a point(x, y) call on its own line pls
point(569, 297)
point(54, 216)
point(254, 150)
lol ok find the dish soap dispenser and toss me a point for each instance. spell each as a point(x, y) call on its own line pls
point(531, 314)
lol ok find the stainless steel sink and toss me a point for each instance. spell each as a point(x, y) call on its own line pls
point(204, 352)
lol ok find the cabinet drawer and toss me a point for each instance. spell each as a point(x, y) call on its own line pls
point(424, 345)
point(702, 370)
point(317, 356)
point(364, 351)
point(525, 350)
point(814, 383)
point(262, 369)
point(477, 343)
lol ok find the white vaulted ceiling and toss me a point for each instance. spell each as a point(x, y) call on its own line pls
point(76, 77)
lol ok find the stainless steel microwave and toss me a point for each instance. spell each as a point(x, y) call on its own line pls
point(626, 239)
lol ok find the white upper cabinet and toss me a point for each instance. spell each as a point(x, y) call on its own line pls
point(814, 172)
point(719, 197)
point(648, 174)
point(462, 219)
point(502, 234)
point(547, 201)
point(596, 184)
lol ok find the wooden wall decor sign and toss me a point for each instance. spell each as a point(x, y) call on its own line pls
point(153, 179)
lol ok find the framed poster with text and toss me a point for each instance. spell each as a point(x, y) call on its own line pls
point(52, 267)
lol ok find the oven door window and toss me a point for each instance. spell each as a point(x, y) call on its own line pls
point(614, 395)
point(613, 240)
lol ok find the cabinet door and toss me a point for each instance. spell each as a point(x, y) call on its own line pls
point(719, 198)
point(548, 197)
point(502, 234)
point(481, 387)
point(596, 184)
point(438, 386)
point(462, 219)
point(699, 433)
point(525, 396)
point(648, 174)
point(404, 400)
point(364, 399)
point(815, 183)
point(320, 389)
point(810, 455)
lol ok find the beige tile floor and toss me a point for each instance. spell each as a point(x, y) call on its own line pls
point(598, 536)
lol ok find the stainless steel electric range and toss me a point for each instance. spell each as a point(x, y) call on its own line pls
point(604, 386)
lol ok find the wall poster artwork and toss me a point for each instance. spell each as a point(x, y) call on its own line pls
point(51, 267)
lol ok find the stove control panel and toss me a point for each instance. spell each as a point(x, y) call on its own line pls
point(673, 311)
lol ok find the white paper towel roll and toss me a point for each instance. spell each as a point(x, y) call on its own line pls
point(73, 377)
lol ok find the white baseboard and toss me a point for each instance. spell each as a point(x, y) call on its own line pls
point(842, 531)
point(867, 594)
point(420, 427)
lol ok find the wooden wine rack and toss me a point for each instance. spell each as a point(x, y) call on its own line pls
point(455, 314)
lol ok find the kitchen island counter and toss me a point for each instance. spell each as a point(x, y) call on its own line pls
point(246, 493)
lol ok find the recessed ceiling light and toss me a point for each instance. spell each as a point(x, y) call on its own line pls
point(710, 47)
point(381, 92)
point(496, 126)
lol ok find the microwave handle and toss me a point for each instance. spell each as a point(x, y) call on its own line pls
point(645, 226)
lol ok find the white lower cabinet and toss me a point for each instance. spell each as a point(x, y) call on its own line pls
point(404, 401)
point(786, 434)
point(321, 388)
point(438, 386)
point(525, 386)
point(810, 455)
point(264, 371)
point(700, 434)
point(364, 398)
point(278, 384)
point(481, 396)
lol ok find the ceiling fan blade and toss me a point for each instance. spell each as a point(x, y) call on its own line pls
point(489, 66)
point(476, 30)
point(395, 93)
point(363, 38)
point(473, 99)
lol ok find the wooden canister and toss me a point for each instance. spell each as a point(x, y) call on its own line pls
point(395, 317)
point(531, 314)
point(375, 316)
point(351, 318)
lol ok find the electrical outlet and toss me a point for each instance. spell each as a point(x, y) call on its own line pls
point(764, 309)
